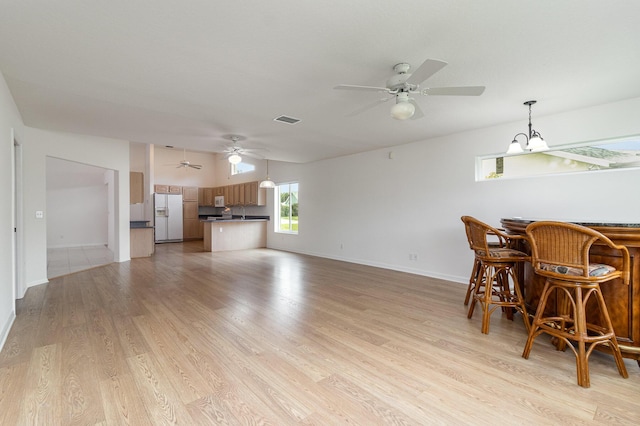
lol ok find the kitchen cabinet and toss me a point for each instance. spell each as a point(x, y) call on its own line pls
point(136, 187)
point(238, 194)
point(141, 242)
point(167, 189)
point(190, 193)
point(228, 195)
point(208, 197)
point(254, 195)
point(190, 220)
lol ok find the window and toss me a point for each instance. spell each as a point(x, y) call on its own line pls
point(287, 195)
point(241, 167)
point(608, 154)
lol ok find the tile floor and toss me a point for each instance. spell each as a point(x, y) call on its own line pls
point(63, 261)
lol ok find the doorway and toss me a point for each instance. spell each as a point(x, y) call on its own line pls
point(77, 217)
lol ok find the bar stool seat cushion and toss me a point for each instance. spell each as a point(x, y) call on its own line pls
point(503, 252)
point(595, 269)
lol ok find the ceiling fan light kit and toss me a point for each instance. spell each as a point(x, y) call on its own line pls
point(534, 141)
point(403, 84)
point(403, 109)
point(235, 159)
point(234, 151)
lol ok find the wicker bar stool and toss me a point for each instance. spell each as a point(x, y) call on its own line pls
point(560, 253)
point(495, 282)
point(475, 271)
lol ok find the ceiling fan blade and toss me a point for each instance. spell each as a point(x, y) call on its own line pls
point(195, 166)
point(454, 91)
point(252, 155)
point(418, 112)
point(361, 88)
point(426, 70)
point(367, 107)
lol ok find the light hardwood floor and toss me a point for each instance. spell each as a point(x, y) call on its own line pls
point(269, 337)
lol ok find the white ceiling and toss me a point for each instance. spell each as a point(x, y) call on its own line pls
point(189, 73)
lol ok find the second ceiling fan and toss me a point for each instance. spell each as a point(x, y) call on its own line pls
point(404, 84)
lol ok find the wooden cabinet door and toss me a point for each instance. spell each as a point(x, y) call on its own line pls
point(136, 187)
point(251, 193)
point(228, 195)
point(161, 189)
point(191, 229)
point(190, 193)
point(175, 189)
point(190, 220)
point(189, 210)
point(208, 196)
point(219, 190)
point(238, 194)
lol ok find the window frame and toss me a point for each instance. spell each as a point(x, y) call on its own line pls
point(567, 160)
point(277, 208)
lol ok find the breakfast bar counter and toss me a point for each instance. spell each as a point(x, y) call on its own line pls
point(234, 234)
point(623, 301)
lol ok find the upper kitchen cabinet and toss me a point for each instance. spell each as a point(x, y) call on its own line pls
point(167, 189)
point(205, 197)
point(238, 195)
point(228, 195)
point(190, 193)
point(136, 188)
point(254, 195)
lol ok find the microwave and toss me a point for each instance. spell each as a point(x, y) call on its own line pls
point(218, 201)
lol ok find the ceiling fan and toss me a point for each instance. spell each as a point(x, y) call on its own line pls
point(403, 84)
point(234, 152)
point(186, 164)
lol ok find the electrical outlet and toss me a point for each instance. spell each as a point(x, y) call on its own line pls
point(413, 256)
point(341, 246)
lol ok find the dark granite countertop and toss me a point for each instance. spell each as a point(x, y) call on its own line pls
point(234, 218)
point(139, 224)
point(601, 223)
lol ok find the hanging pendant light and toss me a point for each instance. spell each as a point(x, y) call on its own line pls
point(534, 143)
point(267, 183)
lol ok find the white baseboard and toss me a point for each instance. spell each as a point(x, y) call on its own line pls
point(6, 328)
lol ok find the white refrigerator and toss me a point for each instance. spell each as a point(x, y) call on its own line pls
point(168, 217)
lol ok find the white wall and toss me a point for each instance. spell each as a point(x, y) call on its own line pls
point(382, 209)
point(10, 124)
point(77, 216)
point(101, 152)
point(77, 204)
point(166, 172)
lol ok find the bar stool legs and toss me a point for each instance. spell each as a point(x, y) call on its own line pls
point(472, 280)
point(570, 325)
point(492, 290)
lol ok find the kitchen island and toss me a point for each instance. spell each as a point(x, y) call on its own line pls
point(235, 233)
point(623, 301)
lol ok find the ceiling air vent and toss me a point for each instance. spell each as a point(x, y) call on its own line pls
point(286, 119)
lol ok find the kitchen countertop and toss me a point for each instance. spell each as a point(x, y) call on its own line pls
point(234, 218)
point(590, 223)
point(136, 224)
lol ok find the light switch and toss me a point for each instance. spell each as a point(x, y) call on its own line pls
point(39, 214)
